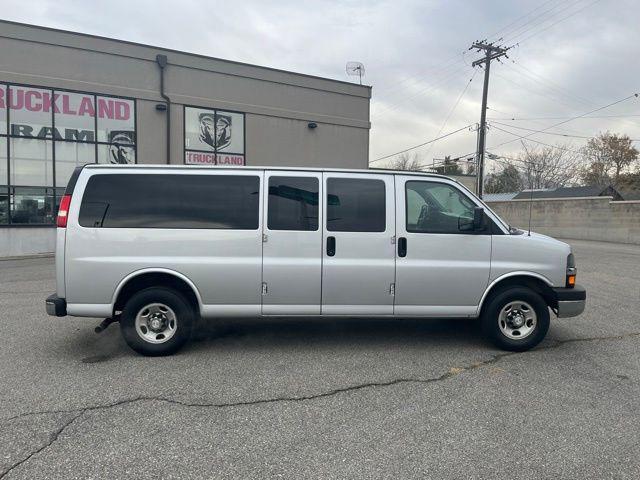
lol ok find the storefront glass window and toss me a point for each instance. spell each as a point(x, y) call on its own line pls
point(4, 205)
point(32, 205)
point(70, 155)
point(31, 112)
point(3, 109)
point(116, 120)
point(213, 137)
point(31, 162)
point(75, 117)
point(45, 134)
point(4, 179)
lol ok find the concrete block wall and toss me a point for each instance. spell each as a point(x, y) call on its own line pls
point(16, 242)
point(587, 218)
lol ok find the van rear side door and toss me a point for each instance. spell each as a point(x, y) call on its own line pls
point(292, 243)
point(358, 254)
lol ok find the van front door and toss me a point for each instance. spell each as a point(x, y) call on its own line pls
point(442, 268)
point(358, 254)
point(292, 242)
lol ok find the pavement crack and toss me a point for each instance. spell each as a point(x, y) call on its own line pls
point(52, 439)
point(452, 372)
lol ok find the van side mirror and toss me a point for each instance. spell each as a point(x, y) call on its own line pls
point(475, 224)
point(478, 219)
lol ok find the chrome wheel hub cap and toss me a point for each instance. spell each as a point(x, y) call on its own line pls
point(517, 320)
point(156, 323)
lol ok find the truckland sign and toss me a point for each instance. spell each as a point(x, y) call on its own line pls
point(213, 137)
point(55, 115)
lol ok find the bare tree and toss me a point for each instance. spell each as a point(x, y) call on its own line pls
point(610, 155)
point(449, 167)
point(407, 161)
point(548, 167)
point(507, 180)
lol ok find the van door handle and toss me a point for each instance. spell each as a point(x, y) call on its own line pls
point(331, 246)
point(402, 247)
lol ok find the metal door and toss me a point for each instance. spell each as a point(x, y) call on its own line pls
point(441, 270)
point(292, 243)
point(358, 251)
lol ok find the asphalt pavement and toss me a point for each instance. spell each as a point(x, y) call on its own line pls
point(324, 398)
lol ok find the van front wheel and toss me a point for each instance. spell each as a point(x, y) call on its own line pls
point(516, 319)
point(156, 321)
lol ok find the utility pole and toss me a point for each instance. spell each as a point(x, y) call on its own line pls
point(491, 52)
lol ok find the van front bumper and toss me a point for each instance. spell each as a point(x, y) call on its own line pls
point(570, 302)
point(56, 306)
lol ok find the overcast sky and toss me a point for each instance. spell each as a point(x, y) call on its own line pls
point(573, 56)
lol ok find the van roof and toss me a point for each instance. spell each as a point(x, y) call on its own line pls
point(298, 169)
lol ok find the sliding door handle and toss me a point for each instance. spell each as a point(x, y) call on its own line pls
point(402, 247)
point(331, 246)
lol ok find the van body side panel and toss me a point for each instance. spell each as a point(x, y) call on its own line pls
point(537, 253)
point(98, 310)
point(225, 265)
point(442, 274)
point(61, 235)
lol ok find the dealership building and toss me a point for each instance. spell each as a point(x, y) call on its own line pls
point(67, 99)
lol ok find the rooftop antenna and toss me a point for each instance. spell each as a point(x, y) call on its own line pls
point(355, 69)
point(532, 166)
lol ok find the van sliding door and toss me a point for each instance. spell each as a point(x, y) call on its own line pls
point(358, 271)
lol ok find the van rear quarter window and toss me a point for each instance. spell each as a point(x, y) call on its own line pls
point(171, 201)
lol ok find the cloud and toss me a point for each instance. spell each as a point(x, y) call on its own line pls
point(415, 52)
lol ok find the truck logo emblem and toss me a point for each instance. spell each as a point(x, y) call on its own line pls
point(121, 149)
point(215, 130)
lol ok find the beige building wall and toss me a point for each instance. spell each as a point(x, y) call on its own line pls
point(278, 104)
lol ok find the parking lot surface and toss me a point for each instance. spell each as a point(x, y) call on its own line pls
point(324, 398)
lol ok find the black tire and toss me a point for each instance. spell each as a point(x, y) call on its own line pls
point(180, 308)
point(491, 323)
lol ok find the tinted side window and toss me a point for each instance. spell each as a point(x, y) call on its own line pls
point(293, 203)
point(436, 207)
point(355, 205)
point(171, 201)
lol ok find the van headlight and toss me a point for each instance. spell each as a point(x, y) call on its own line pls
point(571, 271)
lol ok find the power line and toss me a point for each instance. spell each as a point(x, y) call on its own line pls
point(533, 25)
point(536, 141)
point(421, 144)
point(634, 95)
point(430, 86)
point(551, 83)
point(441, 66)
point(549, 133)
point(535, 92)
point(506, 27)
point(559, 21)
point(556, 92)
point(525, 119)
point(539, 122)
point(455, 105)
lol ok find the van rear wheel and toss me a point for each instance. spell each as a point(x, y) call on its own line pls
point(157, 321)
point(516, 319)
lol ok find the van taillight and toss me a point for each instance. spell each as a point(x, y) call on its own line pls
point(63, 211)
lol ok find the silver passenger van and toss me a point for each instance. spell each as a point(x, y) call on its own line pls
point(159, 247)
